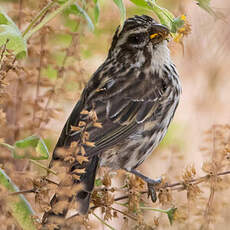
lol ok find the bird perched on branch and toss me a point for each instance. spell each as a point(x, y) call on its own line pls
point(134, 94)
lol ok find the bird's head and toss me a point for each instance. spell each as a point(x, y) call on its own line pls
point(139, 32)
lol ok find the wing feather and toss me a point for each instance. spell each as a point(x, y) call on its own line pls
point(121, 105)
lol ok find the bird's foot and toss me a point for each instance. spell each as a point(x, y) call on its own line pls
point(151, 188)
point(150, 183)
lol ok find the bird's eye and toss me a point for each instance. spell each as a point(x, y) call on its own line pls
point(135, 38)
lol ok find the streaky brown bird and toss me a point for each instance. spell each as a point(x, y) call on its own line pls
point(134, 93)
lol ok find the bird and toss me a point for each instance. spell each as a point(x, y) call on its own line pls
point(134, 94)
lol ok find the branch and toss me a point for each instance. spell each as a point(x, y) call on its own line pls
point(60, 74)
point(179, 186)
point(103, 222)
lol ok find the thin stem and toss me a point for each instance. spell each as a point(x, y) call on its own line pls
point(117, 210)
point(39, 75)
point(47, 19)
point(20, 14)
point(3, 52)
point(22, 192)
point(10, 67)
point(59, 75)
point(212, 187)
point(10, 147)
point(121, 204)
point(125, 214)
point(103, 222)
point(180, 186)
point(155, 209)
point(43, 167)
point(51, 181)
point(17, 106)
point(40, 14)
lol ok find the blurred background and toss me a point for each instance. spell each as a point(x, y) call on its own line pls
point(65, 53)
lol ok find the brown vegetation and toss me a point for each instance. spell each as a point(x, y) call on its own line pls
point(37, 94)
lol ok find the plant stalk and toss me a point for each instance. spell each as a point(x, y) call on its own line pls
point(30, 31)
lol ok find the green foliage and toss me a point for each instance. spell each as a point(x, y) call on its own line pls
point(166, 17)
point(98, 182)
point(141, 3)
point(33, 27)
point(171, 214)
point(205, 5)
point(19, 206)
point(10, 32)
point(174, 136)
point(22, 148)
point(76, 9)
point(96, 11)
point(49, 72)
point(122, 9)
point(177, 23)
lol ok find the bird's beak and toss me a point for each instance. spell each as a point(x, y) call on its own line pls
point(159, 30)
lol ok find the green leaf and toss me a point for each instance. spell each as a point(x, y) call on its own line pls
point(23, 148)
point(9, 31)
point(141, 3)
point(171, 213)
point(96, 10)
point(49, 71)
point(76, 9)
point(176, 24)
point(18, 205)
point(166, 17)
point(62, 1)
point(98, 182)
point(122, 9)
point(42, 149)
point(205, 5)
point(27, 142)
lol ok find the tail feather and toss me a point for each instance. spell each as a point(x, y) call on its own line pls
point(87, 180)
point(81, 197)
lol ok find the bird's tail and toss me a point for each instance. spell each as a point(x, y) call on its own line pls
point(87, 184)
point(82, 194)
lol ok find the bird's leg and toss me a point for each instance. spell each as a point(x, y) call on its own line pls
point(150, 182)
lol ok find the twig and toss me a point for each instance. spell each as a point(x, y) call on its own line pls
point(51, 181)
point(125, 214)
point(208, 208)
point(23, 192)
point(103, 222)
point(28, 33)
point(3, 52)
point(39, 75)
point(17, 106)
point(40, 14)
point(59, 76)
point(10, 67)
point(20, 14)
point(42, 166)
point(117, 210)
point(179, 186)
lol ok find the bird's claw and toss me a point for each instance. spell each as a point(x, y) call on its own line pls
point(151, 189)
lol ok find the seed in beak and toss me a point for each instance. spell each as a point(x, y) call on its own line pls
point(153, 35)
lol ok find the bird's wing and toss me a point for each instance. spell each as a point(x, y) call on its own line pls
point(122, 103)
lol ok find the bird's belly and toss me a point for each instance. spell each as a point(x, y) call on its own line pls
point(131, 153)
